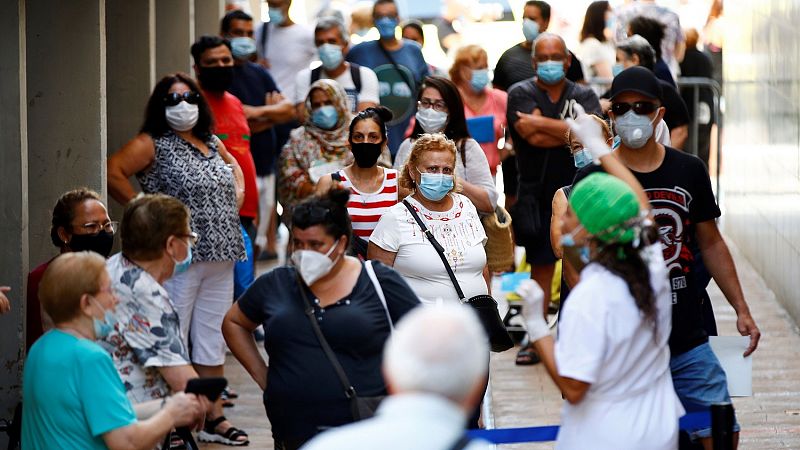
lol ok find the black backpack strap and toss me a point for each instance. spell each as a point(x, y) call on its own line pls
point(461, 443)
point(316, 74)
point(355, 74)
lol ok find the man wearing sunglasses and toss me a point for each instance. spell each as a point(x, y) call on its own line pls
point(685, 210)
point(536, 111)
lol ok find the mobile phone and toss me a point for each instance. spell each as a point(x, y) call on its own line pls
point(211, 388)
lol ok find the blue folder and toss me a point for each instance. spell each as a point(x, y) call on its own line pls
point(481, 128)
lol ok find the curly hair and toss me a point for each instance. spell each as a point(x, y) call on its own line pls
point(436, 142)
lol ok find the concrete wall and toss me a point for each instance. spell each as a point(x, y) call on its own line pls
point(761, 146)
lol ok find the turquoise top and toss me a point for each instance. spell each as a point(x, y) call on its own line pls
point(72, 394)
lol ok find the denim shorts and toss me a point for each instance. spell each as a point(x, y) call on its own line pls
point(699, 380)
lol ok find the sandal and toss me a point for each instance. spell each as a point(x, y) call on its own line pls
point(230, 393)
point(226, 397)
point(232, 436)
point(527, 356)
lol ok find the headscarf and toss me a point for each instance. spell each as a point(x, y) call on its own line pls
point(337, 137)
point(605, 206)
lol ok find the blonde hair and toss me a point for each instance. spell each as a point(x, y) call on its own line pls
point(603, 124)
point(466, 56)
point(436, 142)
point(66, 280)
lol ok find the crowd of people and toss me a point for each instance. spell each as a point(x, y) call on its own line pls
point(385, 171)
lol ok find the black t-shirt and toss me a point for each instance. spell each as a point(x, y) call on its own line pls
point(697, 64)
point(303, 392)
point(251, 83)
point(515, 65)
point(675, 114)
point(681, 197)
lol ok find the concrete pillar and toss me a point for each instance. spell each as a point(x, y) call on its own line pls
point(66, 98)
point(14, 213)
point(174, 36)
point(207, 16)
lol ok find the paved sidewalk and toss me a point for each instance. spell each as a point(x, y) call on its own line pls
point(525, 396)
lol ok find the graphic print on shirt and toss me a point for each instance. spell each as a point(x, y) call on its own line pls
point(671, 213)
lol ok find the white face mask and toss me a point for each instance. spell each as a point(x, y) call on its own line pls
point(313, 265)
point(183, 116)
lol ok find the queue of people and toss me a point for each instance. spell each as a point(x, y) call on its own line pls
point(384, 173)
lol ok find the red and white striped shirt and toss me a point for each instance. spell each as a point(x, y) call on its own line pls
point(366, 208)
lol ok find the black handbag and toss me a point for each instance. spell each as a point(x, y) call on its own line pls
point(360, 407)
point(485, 306)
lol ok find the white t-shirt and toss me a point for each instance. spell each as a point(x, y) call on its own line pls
point(603, 340)
point(368, 92)
point(458, 230)
point(289, 50)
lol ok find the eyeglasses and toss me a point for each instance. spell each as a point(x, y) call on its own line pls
point(638, 107)
point(193, 238)
point(436, 169)
point(95, 228)
point(310, 214)
point(437, 105)
point(173, 98)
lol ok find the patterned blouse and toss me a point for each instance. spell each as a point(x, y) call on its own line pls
point(147, 334)
point(205, 184)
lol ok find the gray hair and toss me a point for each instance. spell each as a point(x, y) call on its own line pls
point(439, 350)
point(548, 35)
point(637, 45)
point(329, 22)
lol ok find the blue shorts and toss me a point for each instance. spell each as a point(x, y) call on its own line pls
point(699, 380)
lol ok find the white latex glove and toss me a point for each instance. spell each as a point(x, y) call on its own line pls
point(589, 133)
point(533, 299)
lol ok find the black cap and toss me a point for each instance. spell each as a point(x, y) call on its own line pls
point(636, 79)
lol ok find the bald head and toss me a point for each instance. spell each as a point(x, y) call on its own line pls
point(548, 40)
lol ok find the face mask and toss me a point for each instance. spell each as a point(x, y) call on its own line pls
point(434, 186)
point(530, 29)
point(616, 69)
point(330, 55)
point(550, 72)
point(479, 80)
point(182, 266)
point(325, 117)
point(102, 328)
point(242, 47)
point(386, 27)
point(182, 117)
point(431, 121)
point(634, 130)
point(568, 240)
point(313, 265)
point(582, 158)
point(276, 16)
point(366, 154)
point(615, 142)
point(99, 243)
point(215, 79)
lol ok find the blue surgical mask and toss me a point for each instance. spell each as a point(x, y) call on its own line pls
point(550, 72)
point(530, 29)
point(242, 47)
point(276, 16)
point(325, 117)
point(615, 142)
point(330, 55)
point(386, 27)
point(568, 240)
point(634, 129)
point(434, 186)
point(479, 80)
point(183, 266)
point(616, 69)
point(582, 158)
point(102, 328)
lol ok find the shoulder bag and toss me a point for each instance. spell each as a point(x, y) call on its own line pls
point(484, 305)
point(360, 407)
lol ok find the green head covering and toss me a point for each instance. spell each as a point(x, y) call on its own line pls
point(603, 203)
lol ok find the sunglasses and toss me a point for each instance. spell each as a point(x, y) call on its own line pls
point(638, 107)
point(174, 98)
point(310, 214)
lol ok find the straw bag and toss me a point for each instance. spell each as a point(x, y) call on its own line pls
point(499, 244)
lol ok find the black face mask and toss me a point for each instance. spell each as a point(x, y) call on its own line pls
point(215, 79)
point(366, 153)
point(99, 243)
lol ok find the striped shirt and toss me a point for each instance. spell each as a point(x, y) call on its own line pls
point(365, 208)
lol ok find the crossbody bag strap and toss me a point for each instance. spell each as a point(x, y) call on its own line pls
point(438, 247)
point(379, 289)
point(349, 390)
point(461, 443)
point(397, 68)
